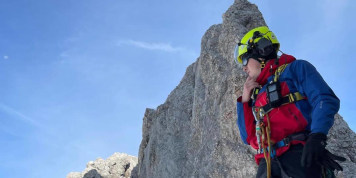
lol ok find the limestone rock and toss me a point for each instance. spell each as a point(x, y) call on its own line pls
point(342, 142)
point(194, 133)
point(118, 165)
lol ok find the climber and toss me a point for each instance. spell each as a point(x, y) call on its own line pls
point(285, 111)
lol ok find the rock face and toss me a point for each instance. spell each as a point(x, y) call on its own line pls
point(342, 141)
point(118, 165)
point(194, 133)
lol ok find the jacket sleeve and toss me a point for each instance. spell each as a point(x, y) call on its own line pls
point(324, 103)
point(245, 121)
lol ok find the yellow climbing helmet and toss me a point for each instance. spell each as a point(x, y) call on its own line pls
point(258, 41)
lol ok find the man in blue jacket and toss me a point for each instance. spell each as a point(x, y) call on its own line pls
point(285, 111)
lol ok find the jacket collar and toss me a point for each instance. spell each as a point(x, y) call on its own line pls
point(271, 67)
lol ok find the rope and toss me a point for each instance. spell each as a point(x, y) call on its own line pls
point(266, 131)
point(267, 158)
point(269, 143)
point(269, 138)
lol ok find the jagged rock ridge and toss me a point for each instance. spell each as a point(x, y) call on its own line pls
point(194, 133)
point(119, 165)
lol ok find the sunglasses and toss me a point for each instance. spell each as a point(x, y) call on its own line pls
point(245, 57)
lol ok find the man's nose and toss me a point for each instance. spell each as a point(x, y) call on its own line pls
point(244, 68)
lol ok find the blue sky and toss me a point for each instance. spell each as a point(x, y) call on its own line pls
point(76, 76)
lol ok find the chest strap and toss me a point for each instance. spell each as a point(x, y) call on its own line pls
point(290, 98)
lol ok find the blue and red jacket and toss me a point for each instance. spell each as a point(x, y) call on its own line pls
point(315, 114)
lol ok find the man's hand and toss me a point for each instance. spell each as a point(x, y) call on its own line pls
point(314, 149)
point(314, 152)
point(249, 85)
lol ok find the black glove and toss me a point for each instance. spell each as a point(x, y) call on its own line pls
point(314, 151)
point(329, 161)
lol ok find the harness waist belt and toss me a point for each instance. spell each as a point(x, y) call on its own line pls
point(300, 136)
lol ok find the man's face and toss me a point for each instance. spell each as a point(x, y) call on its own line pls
point(253, 68)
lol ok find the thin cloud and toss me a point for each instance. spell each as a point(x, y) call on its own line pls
point(19, 115)
point(45, 131)
point(6, 57)
point(152, 46)
point(64, 54)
